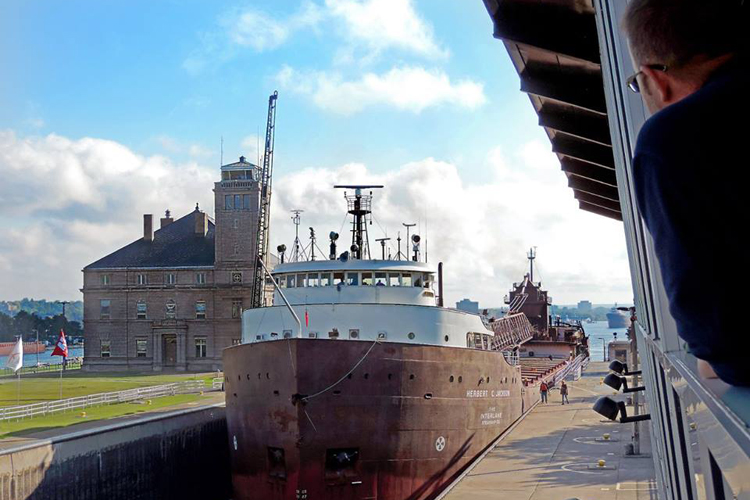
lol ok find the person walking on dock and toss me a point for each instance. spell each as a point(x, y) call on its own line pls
point(564, 392)
point(543, 391)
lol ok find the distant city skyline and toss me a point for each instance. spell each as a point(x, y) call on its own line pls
point(109, 111)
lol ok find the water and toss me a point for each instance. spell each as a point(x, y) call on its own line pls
point(45, 357)
point(598, 331)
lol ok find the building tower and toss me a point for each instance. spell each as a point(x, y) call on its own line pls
point(236, 217)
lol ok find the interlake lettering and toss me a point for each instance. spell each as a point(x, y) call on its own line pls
point(475, 393)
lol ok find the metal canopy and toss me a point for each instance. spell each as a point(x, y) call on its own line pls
point(554, 47)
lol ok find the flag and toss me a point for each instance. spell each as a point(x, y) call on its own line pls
point(15, 358)
point(61, 348)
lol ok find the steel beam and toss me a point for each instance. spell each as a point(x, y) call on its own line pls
point(583, 150)
point(588, 126)
point(589, 171)
point(593, 187)
point(581, 90)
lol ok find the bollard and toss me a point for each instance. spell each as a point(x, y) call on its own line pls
point(606, 437)
point(601, 463)
point(83, 414)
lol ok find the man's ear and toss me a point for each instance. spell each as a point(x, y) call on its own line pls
point(660, 83)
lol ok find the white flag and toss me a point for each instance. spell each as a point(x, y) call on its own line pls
point(15, 358)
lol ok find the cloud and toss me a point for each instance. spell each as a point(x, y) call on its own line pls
point(65, 203)
point(406, 88)
point(480, 231)
point(377, 25)
point(364, 31)
point(248, 28)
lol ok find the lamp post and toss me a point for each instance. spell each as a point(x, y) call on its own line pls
point(604, 351)
point(36, 330)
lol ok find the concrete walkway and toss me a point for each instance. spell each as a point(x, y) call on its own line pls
point(549, 454)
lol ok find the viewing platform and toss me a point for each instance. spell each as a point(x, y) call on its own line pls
point(553, 454)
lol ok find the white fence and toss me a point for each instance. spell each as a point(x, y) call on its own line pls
point(104, 398)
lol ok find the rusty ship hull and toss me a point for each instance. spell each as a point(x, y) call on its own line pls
point(401, 425)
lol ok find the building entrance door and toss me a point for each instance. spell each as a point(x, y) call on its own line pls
point(169, 350)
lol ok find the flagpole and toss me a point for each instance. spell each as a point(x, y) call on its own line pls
point(61, 370)
point(18, 398)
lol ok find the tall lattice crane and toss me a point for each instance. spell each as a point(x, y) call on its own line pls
point(264, 213)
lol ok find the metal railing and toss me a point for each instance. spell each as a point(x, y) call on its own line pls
point(73, 364)
point(570, 367)
point(104, 398)
point(510, 331)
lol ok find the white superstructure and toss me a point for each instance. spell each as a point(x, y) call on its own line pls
point(354, 297)
point(361, 300)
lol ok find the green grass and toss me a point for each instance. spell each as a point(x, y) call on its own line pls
point(38, 424)
point(46, 386)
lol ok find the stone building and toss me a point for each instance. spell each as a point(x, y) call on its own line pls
point(173, 298)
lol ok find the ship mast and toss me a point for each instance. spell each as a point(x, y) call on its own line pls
point(360, 207)
point(531, 255)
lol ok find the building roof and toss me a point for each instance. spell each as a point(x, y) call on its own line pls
point(554, 47)
point(175, 245)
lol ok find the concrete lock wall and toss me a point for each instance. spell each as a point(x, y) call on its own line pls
point(181, 455)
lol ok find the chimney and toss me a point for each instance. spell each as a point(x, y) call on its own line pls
point(166, 220)
point(201, 223)
point(148, 227)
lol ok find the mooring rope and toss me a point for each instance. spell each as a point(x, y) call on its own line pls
point(308, 398)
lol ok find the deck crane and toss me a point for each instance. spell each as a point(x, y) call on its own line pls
point(264, 212)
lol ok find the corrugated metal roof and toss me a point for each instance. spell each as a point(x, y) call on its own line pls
point(554, 47)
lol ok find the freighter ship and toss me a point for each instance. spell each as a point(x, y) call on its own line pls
point(358, 384)
point(616, 318)
point(28, 347)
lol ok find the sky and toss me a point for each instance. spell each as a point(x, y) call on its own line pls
point(109, 110)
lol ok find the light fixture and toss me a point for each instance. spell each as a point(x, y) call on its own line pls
point(609, 408)
point(622, 368)
point(615, 382)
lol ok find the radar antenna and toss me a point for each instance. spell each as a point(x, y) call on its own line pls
point(297, 250)
point(360, 207)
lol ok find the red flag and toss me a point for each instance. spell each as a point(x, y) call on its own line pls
point(61, 348)
point(307, 319)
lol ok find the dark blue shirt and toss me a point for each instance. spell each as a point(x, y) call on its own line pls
point(690, 174)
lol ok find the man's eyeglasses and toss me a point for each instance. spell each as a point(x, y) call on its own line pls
point(632, 82)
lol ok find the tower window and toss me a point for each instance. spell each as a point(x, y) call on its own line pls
point(170, 278)
point(237, 202)
point(105, 279)
point(200, 278)
point(246, 201)
point(140, 310)
point(104, 309)
point(106, 348)
point(200, 347)
point(141, 279)
point(170, 308)
point(200, 309)
point(228, 202)
point(140, 348)
point(236, 308)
